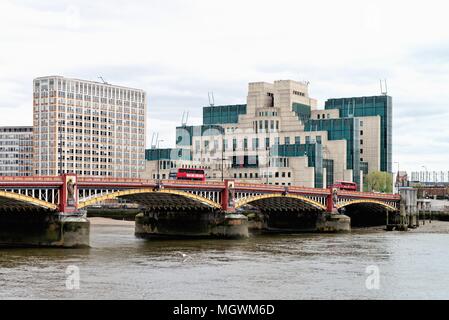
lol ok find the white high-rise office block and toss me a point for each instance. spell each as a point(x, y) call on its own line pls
point(88, 128)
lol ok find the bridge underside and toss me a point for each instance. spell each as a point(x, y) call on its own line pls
point(284, 204)
point(167, 214)
point(9, 205)
point(367, 214)
point(284, 214)
point(155, 201)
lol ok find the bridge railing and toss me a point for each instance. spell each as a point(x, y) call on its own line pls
point(151, 182)
point(208, 183)
point(277, 188)
point(113, 180)
point(387, 196)
point(9, 180)
point(31, 178)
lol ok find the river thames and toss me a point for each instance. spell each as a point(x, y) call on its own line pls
point(411, 265)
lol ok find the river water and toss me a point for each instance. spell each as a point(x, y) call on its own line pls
point(411, 265)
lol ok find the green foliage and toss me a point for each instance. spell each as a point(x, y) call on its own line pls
point(378, 181)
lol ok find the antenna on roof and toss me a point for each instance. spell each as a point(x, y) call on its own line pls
point(382, 84)
point(154, 141)
point(101, 78)
point(210, 95)
point(185, 118)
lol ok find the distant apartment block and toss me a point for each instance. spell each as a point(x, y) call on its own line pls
point(88, 128)
point(16, 151)
point(430, 176)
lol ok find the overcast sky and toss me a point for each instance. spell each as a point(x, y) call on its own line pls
point(179, 50)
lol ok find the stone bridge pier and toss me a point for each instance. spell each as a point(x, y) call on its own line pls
point(33, 214)
point(179, 214)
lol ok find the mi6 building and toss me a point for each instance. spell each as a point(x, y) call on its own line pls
point(281, 137)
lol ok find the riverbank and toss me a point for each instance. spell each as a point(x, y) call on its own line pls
point(118, 214)
point(435, 226)
point(97, 221)
point(429, 227)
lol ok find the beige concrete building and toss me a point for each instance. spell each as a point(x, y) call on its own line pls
point(89, 128)
point(281, 137)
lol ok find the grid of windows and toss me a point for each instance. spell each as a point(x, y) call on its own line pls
point(329, 165)
point(342, 129)
point(88, 128)
point(245, 161)
point(370, 106)
point(16, 151)
point(313, 152)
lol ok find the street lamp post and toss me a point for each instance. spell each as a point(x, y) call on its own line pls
point(60, 153)
point(222, 159)
point(222, 166)
point(268, 163)
point(397, 178)
point(158, 162)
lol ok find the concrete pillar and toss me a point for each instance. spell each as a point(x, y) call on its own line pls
point(191, 223)
point(67, 228)
point(333, 223)
point(43, 229)
point(409, 206)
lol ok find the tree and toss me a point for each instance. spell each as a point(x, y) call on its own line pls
point(379, 181)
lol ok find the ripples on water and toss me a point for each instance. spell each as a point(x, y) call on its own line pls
point(119, 266)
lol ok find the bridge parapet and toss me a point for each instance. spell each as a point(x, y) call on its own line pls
point(370, 195)
point(27, 180)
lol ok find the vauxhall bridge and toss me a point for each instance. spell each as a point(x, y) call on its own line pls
point(48, 210)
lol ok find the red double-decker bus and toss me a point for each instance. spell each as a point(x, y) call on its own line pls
point(188, 174)
point(345, 185)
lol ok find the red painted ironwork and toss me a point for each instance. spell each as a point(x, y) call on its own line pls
point(227, 188)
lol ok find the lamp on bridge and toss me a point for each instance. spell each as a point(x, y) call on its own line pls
point(158, 163)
